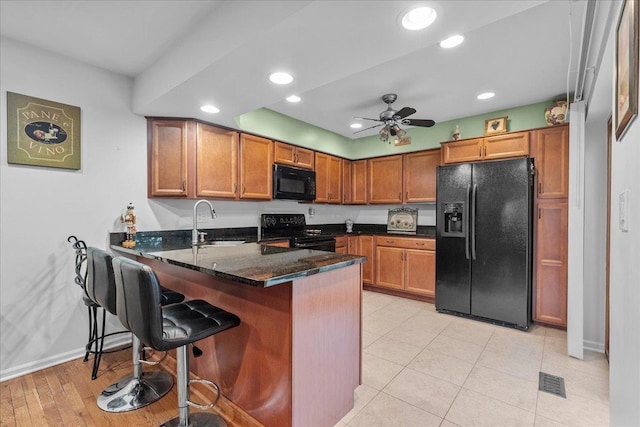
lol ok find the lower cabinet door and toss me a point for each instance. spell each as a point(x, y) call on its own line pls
point(390, 267)
point(420, 272)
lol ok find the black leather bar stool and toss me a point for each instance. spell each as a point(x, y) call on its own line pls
point(141, 388)
point(95, 343)
point(175, 326)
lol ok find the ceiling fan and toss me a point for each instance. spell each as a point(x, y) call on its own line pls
point(391, 120)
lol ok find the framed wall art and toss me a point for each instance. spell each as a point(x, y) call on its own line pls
point(626, 86)
point(42, 133)
point(495, 126)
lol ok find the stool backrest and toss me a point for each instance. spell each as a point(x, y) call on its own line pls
point(138, 300)
point(100, 285)
point(80, 248)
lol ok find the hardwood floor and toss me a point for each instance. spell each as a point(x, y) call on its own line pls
point(65, 395)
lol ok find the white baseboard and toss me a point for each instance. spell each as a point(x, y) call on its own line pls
point(598, 347)
point(37, 365)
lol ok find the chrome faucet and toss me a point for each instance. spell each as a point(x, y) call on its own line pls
point(194, 232)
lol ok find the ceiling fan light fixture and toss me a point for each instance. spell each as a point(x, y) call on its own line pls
point(418, 18)
point(281, 78)
point(210, 109)
point(384, 134)
point(400, 133)
point(293, 98)
point(452, 41)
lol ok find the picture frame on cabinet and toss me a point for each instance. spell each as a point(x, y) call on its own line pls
point(42, 132)
point(495, 126)
point(626, 70)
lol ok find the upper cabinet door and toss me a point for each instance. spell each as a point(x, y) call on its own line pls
point(514, 144)
point(346, 181)
point(335, 180)
point(385, 179)
point(217, 162)
point(322, 178)
point(287, 154)
point(304, 158)
point(358, 182)
point(552, 161)
point(168, 158)
point(420, 176)
point(256, 158)
point(466, 150)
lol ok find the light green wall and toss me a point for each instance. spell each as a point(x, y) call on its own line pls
point(520, 118)
point(283, 128)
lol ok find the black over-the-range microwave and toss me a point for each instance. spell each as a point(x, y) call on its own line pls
point(293, 183)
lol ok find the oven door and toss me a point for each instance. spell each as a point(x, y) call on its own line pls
point(324, 244)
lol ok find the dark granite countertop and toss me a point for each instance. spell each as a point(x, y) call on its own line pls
point(250, 263)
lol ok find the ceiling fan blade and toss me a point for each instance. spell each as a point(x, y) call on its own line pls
point(370, 127)
point(366, 118)
point(418, 122)
point(404, 112)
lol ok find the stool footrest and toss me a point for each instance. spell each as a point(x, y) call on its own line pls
point(152, 363)
point(209, 405)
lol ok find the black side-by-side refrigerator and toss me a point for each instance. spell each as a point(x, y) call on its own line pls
point(484, 241)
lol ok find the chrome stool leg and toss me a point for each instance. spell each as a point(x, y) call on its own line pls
point(135, 391)
point(199, 419)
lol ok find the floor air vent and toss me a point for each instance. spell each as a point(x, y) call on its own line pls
point(552, 384)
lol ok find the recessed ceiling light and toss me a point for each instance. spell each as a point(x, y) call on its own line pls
point(210, 109)
point(452, 41)
point(486, 95)
point(356, 125)
point(418, 18)
point(293, 98)
point(281, 78)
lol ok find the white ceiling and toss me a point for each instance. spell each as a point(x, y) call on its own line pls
point(344, 55)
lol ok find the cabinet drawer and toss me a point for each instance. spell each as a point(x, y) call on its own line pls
point(407, 242)
point(341, 241)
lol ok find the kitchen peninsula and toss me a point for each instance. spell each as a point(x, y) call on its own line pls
point(295, 358)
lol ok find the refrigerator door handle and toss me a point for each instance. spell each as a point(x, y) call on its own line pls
point(466, 234)
point(473, 221)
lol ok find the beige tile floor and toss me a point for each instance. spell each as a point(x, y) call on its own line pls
point(423, 368)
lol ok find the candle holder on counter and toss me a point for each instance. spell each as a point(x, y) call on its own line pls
point(129, 220)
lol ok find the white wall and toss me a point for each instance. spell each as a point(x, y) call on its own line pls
point(625, 283)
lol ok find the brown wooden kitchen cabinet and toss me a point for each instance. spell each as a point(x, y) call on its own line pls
point(191, 159)
point(512, 144)
point(169, 157)
point(419, 176)
point(464, 150)
point(217, 162)
point(341, 245)
point(328, 179)
point(256, 159)
point(385, 180)
point(365, 247)
point(406, 265)
point(346, 182)
point(551, 262)
point(359, 182)
point(551, 147)
point(292, 155)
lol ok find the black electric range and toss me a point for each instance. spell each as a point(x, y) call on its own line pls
point(294, 227)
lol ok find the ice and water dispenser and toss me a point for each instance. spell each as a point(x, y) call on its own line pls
point(453, 216)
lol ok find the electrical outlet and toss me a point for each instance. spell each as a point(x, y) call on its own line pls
point(623, 213)
point(203, 216)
